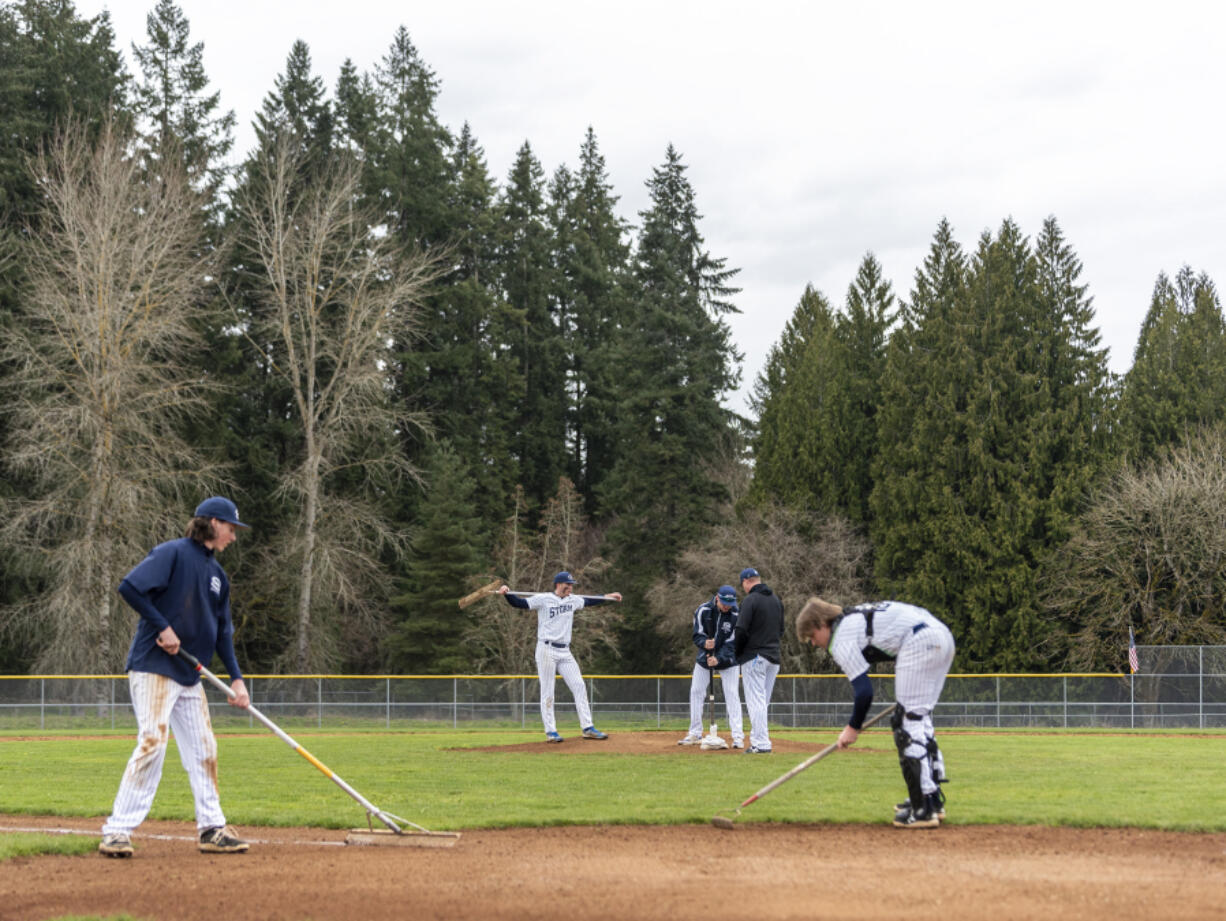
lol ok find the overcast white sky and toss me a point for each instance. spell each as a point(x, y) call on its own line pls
point(816, 132)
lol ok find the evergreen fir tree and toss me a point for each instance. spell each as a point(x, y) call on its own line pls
point(536, 345)
point(409, 169)
point(1177, 382)
point(676, 363)
point(177, 118)
point(790, 465)
point(593, 268)
point(447, 549)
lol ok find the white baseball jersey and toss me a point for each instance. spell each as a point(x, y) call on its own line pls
point(893, 623)
point(555, 616)
point(923, 649)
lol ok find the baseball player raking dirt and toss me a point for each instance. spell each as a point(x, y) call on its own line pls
point(183, 598)
point(555, 617)
point(923, 650)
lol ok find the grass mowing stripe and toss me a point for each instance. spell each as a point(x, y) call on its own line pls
point(1153, 780)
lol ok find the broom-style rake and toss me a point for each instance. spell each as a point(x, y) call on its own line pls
point(394, 833)
point(726, 823)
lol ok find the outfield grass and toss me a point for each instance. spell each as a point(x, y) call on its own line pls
point(1167, 780)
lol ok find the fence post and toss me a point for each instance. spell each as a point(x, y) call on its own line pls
point(42, 703)
point(388, 698)
point(319, 702)
point(112, 683)
point(1064, 681)
point(658, 723)
point(1200, 691)
point(1132, 701)
point(998, 701)
point(455, 703)
point(523, 703)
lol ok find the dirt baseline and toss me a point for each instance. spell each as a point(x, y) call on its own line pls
point(634, 872)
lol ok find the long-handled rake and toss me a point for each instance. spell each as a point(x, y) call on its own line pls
point(726, 823)
point(395, 833)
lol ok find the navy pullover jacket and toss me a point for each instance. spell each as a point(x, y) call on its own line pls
point(180, 584)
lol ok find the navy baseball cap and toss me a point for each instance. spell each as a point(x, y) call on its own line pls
point(749, 573)
point(726, 594)
point(563, 576)
point(221, 508)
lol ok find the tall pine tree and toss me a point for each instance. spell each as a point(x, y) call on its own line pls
point(676, 364)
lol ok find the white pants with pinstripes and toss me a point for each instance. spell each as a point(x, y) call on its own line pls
point(551, 661)
point(758, 676)
point(730, 678)
point(163, 706)
point(919, 677)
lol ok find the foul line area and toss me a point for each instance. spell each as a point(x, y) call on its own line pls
point(94, 833)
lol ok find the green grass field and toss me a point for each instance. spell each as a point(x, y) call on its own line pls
point(1166, 780)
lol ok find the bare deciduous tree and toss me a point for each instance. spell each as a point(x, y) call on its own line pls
point(336, 295)
point(503, 638)
point(774, 540)
point(1149, 552)
point(102, 380)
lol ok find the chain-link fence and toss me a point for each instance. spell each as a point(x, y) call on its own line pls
point(1176, 687)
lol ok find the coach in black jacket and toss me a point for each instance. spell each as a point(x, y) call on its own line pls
point(759, 630)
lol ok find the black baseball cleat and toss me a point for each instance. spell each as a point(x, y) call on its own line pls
point(935, 802)
point(219, 840)
point(908, 817)
point(116, 844)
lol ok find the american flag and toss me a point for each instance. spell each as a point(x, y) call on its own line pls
point(1133, 667)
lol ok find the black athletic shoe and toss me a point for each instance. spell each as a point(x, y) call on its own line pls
point(936, 803)
point(911, 818)
point(219, 840)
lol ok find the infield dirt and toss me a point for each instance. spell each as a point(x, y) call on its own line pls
point(634, 872)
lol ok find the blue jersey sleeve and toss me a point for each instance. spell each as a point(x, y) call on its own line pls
point(516, 602)
point(862, 685)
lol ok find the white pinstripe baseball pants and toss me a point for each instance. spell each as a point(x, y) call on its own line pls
point(730, 678)
point(758, 676)
point(552, 661)
point(919, 677)
point(163, 706)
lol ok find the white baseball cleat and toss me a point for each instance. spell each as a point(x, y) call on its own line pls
point(689, 740)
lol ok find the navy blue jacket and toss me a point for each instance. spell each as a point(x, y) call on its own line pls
point(710, 621)
point(180, 584)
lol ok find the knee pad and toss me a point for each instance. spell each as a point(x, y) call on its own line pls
point(908, 734)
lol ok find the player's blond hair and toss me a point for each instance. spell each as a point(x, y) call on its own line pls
point(816, 614)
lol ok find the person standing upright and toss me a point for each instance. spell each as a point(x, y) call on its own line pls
point(555, 616)
point(759, 634)
point(182, 596)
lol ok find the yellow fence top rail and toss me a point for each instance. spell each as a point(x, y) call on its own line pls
point(602, 677)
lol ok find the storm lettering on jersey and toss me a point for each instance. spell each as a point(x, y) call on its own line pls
point(556, 609)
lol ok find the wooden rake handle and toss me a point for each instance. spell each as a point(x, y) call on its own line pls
point(813, 759)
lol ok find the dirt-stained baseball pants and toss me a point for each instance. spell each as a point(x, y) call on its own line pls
point(551, 660)
point(163, 706)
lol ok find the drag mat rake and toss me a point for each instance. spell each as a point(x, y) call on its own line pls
point(726, 823)
point(395, 832)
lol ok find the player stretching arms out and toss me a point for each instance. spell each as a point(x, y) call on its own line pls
point(924, 650)
point(555, 615)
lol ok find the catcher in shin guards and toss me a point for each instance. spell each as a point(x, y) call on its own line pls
point(923, 650)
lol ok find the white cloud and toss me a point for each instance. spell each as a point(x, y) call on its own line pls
point(816, 132)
